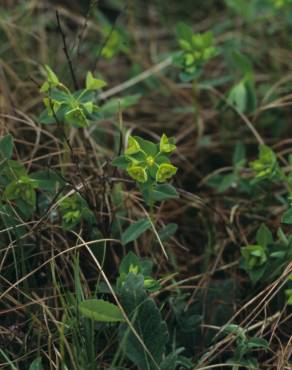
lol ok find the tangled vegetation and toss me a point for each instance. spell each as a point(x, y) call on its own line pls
point(145, 184)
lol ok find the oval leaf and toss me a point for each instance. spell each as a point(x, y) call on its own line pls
point(100, 310)
point(135, 230)
point(6, 147)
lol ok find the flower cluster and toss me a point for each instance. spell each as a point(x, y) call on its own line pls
point(197, 48)
point(22, 188)
point(266, 166)
point(254, 256)
point(131, 264)
point(74, 209)
point(147, 162)
point(74, 109)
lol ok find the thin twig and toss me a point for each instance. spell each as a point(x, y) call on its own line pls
point(65, 49)
point(80, 37)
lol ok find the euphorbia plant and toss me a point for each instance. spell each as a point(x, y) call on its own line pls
point(72, 108)
point(196, 50)
point(74, 209)
point(150, 166)
point(67, 108)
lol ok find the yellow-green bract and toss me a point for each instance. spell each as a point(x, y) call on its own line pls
point(133, 146)
point(165, 145)
point(149, 161)
point(165, 171)
point(138, 173)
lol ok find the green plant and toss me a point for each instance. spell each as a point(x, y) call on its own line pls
point(242, 95)
point(74, 109)
point(196, 50)
point(131, 264)
point(149, 165)
point(244, 347)
point(74, 210)
point(268, 258)
point(36, 364)
point(255, 256)
point(115, 38)
point(19, 189)
point(266, 166)
point(146, 319)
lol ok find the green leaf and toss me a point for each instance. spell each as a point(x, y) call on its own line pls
point(167, 231)
point(226, 182)
point(266, 166)
point(48, 180)
point(239, 156)
point(47, 119)
point(256, 274)
point(238, 97)
point(130, 262)
point(21, 188)
point(134, 265)
point(60, 96)
point(100, 310)
point(135, 230)
point(52, 80)
point(84, 96)
point(74, 209)
point(171, 361)
point(264, 236)
point(146, 145)
point(163, 192)
point(88, 106)
point(184, 32)
point(93, 83)
point(278, 254)
point(8, 219)
point(256, 342)
point(52, 77)
point(76, 117)
point(288, 293)
point(255, 259)
point(147, 321)
point(287, 217)
point(251, 95)
point(13, 169)
point(235, 329)
point(281, 235)
point(6, 147)
point(36, 364)
point(242, 62)
point(121, 162)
